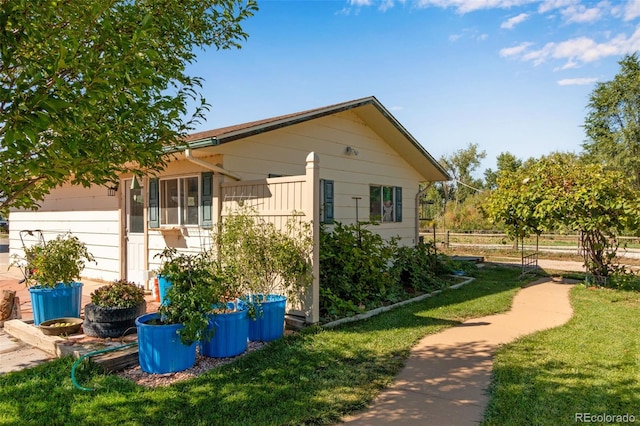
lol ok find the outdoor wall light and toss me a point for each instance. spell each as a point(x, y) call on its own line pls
point(350, 151)
point(112, 189)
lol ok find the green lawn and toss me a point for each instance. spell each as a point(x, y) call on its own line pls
point(313, 377)
point(590, 365)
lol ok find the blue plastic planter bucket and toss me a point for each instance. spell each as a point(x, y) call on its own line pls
point(160, 349)
point(163, 286)
point(230, 334)
point(269, 325)
point(62, 301)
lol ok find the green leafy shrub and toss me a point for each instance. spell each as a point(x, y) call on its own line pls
point(359, 270)
point(416, 267)
point(354, 270)
point(258, 258)
point(449, 266)
point(195, 288)
point(620, 278)
point(60, 260)
point(119, 294)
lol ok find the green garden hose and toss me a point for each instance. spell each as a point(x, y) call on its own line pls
point(79, 360)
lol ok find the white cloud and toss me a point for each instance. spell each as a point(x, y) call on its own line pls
point(386, 5)
point(512, 22)
point(469, 33)
point(466, 6)
point(576, 51)
point(549, 5)
point(515, 50)
point(631, 10)
point(577, 81)
point(580, 14)
point(360, 3)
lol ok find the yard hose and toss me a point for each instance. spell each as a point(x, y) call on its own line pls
point(101, 351)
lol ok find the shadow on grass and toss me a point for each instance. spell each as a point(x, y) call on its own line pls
point(589, 365)
point(491, 292)
point(553, 392)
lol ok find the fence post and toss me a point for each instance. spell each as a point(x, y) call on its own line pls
point(312, 212)
point(446, 239)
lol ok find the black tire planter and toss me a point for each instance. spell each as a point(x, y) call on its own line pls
point(95, 313)
point(111, 322)
point(109, 329)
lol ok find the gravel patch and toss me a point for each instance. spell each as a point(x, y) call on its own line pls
point(202, 365)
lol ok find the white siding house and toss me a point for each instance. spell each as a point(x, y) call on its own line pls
point(345, 162)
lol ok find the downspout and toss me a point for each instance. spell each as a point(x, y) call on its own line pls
point(418, 195)
point(189, 156)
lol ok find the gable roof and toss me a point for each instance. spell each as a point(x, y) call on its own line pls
point(369, 109)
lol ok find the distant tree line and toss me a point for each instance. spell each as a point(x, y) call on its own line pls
point(595, 193)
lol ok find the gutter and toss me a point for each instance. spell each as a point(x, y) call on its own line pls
point(189, 156)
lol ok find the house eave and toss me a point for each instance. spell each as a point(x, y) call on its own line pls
point(362, 107)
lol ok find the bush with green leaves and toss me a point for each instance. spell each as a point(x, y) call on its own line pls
point(195, 288)
point(359, 270)
point(118, 294)
point(60, 260)
point(354, 270)
point(417, 266)
point(257, 258)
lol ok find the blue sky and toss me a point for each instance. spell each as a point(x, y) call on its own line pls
point(508, 75)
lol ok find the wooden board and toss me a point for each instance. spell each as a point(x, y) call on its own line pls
point(118, 360)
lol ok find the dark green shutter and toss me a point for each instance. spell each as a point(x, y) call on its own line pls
point(206, 207)
point(398, 206)
point(327, 201)
point(154, 203)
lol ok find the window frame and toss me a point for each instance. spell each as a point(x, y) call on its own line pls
point(181, 197)
point(396, 204)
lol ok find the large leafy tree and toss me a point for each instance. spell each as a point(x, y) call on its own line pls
point(461, 165)
point(612, 123)
point(90, 89)
point(559, 190)
point(506, 162)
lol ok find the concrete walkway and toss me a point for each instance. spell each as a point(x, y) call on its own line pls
point(445, 379)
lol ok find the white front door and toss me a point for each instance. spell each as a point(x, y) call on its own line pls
point(134, 235)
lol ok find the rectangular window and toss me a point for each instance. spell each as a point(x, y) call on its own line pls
point(386, 203)
point(179, 201)
point(190, 201)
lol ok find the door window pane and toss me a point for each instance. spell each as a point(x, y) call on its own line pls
point(136, 211)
